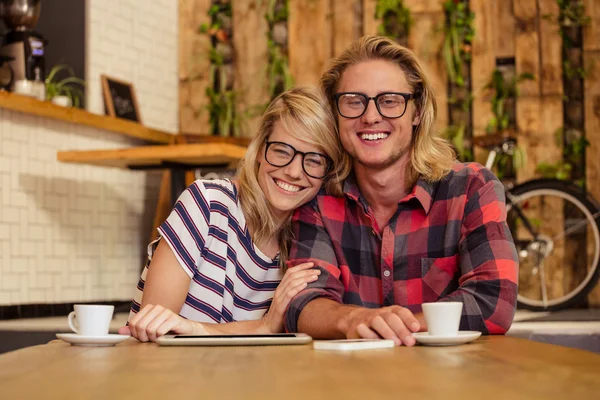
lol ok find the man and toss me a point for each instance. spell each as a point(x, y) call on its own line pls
point(414, 225)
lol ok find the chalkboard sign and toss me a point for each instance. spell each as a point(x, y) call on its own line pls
point(119, 99)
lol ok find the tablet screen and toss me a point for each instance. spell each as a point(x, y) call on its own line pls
point(274, 335)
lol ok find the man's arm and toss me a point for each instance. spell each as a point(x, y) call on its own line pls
point(488, 262)
point(318, 310)
point(325, 319)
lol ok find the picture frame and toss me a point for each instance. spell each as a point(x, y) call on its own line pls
point(120, 100)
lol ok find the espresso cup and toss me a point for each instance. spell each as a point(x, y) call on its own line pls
point(443, 319)
point(91, 319)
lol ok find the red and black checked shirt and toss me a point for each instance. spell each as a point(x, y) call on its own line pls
point(448, 241)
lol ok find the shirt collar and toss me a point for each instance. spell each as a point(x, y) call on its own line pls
point(423, 191)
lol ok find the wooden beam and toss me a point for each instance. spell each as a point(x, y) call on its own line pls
point(251, 60)
point(370, 23)
point(591, 32)
point(483, 62)
point(505, 25)
point(591, 60)
point(551, 78)
point(46, 109)
point(347, 24)
point(194, 66)
point(426, 39)
point(310, 44)
point(527, 47)
point(424, 6)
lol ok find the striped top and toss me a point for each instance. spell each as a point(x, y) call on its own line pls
point(231, 279)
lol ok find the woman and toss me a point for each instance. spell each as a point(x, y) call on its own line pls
point(221, 263)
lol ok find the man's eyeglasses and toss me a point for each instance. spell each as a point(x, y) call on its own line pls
point(315, 165)
point(389, 104)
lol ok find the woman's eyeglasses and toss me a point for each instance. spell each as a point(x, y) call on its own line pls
point(315, 165)
point(389, 104)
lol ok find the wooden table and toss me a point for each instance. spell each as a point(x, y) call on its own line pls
point(490, 368)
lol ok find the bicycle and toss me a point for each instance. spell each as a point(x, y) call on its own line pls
point(556, 229)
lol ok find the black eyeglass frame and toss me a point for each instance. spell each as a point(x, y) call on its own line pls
point(407, 97)
point(326, 157)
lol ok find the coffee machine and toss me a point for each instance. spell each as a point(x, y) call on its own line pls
point(21, 42)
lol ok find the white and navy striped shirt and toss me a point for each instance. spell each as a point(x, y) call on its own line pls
point(231, 279)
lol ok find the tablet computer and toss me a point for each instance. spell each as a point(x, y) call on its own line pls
point(235, 340)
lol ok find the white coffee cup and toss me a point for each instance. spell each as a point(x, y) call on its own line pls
point(91, 319)
point(443, 318)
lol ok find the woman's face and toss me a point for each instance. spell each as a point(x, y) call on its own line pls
point(287, 188)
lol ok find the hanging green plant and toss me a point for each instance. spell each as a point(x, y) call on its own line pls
point(503, 90)
point(278, 71)
point(458, 36)
point(396, 19)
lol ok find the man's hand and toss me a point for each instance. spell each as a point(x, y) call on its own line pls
point(394, 322)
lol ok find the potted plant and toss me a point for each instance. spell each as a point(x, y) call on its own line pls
point(65, 92)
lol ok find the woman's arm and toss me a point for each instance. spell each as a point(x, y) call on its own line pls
point(167, 286)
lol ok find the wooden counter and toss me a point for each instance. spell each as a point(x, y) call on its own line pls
point(29, 105)
point(191, 155)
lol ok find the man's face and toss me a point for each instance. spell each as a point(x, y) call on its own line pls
point(372, 140)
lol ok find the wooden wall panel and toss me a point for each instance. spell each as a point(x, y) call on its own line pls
point(251, 60)
point(426, 39)
point(528, 103)
point(504, 30)
point(193, 67)
point(591, 57)
point(424, 6)
point(347, 24)
point(310, 44)
point(370, 23)
point(551, 79)
point(527, 45)
point(483, 63)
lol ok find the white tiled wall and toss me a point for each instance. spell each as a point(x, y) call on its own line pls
point(73, 233)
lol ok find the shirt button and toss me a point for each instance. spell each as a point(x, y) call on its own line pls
point(386, 273)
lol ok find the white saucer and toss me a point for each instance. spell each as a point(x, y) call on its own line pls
point(461, 338)
point(92, 341)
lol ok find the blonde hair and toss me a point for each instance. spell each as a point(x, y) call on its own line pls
point(431, 156)
point(304, 113)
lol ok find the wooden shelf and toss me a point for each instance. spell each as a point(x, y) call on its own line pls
point(29, 105)
point(191, 155)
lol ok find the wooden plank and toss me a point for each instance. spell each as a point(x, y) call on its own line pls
point(310, 47)
point(426, 40)
point(592, 129)
point(347, 24)
point(194, 66)
point(46, 109)
point(591, 32)
point(505, 25)
point(551, 78)
point(197, 155)
point(251, 58)
point(424, 6)
point(370, 23)
point(483, 62)
point(527, 45)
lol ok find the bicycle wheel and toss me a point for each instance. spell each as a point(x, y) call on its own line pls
point(560, 250)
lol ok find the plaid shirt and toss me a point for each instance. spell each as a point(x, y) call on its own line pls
point(448, 241)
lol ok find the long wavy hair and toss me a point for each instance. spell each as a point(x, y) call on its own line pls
point(305, 114)
point(431, 156)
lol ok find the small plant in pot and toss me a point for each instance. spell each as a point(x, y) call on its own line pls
point(64, 92)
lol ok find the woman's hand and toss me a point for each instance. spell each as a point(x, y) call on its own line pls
point(154, 321)
point(294, 280)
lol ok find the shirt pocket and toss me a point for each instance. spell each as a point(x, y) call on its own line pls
point(439, 277)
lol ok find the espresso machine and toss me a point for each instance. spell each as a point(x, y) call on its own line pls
point(21, 43)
